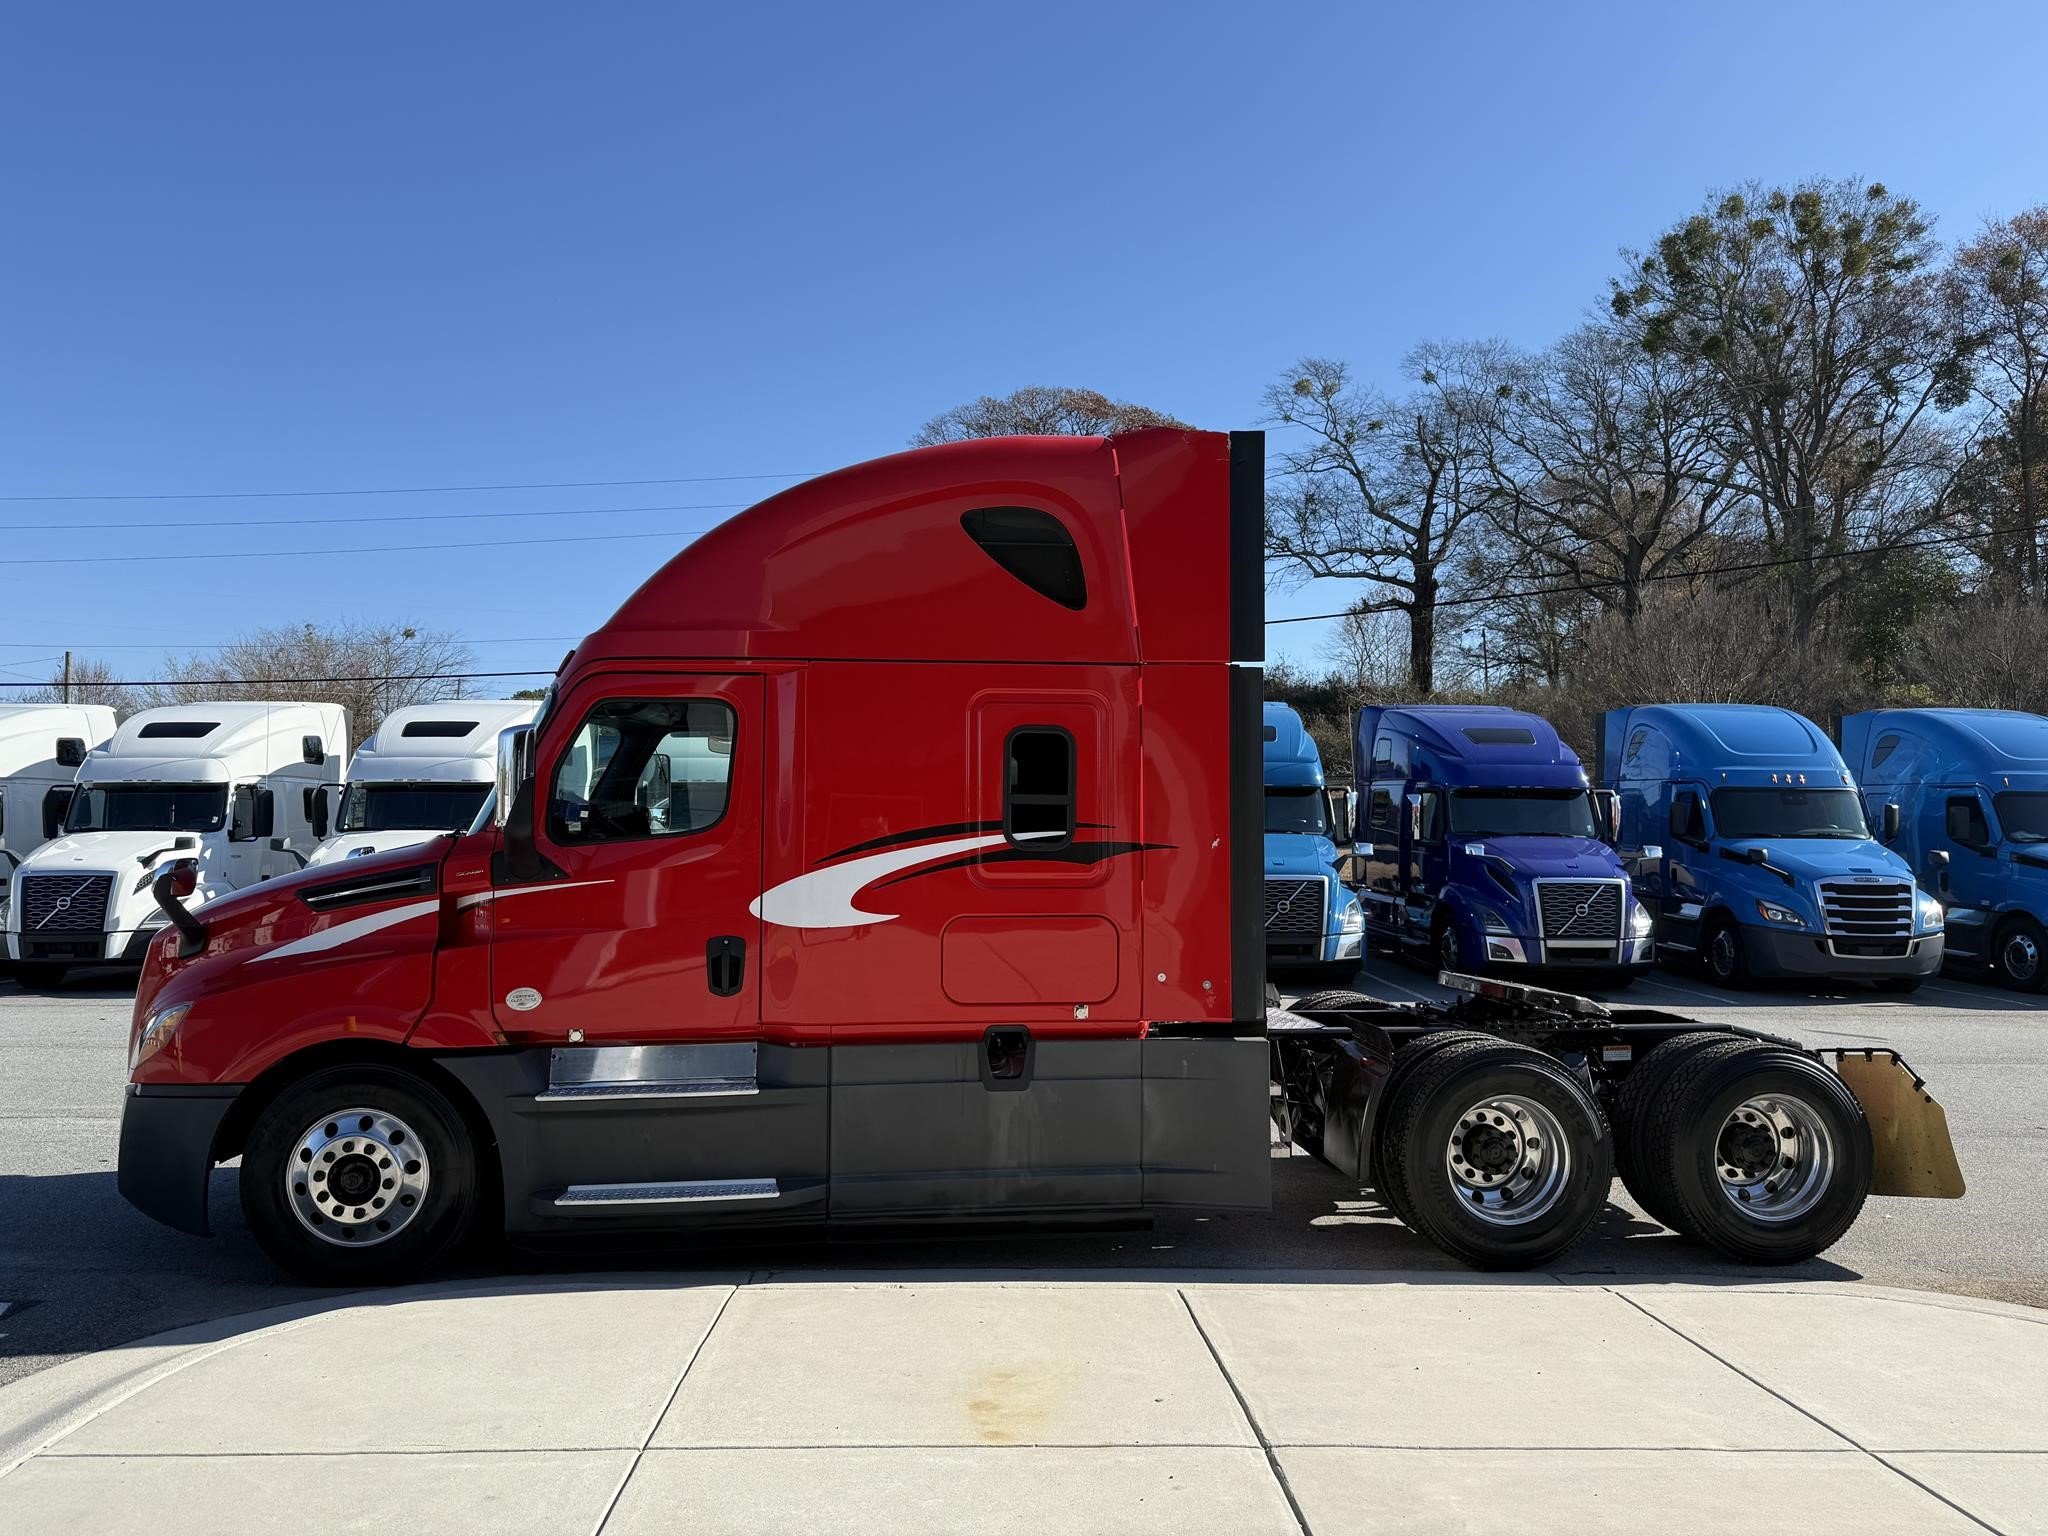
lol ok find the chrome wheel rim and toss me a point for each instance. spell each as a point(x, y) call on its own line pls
point(357, 1177)
point(1447, 950)
point(1721, 953)
point(1775, 1157)
point(1508, 1160)
point(2022, 957)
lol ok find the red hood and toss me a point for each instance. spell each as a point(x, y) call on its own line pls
point(371, 922)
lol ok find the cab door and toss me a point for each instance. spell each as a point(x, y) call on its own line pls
point(646, 819)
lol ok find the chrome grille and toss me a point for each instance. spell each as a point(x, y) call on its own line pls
point(1294, 908)
point(1575, 911)
point(53, 904)
point(1867, 909)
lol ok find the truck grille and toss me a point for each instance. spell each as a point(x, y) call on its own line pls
point(1867, 909)
point(69, 904)
point(1574, 911)
point(1294, 909)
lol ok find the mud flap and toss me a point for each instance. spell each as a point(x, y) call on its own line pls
point(1908, 1130)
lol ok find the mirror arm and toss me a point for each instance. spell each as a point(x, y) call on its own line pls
point(191, 932)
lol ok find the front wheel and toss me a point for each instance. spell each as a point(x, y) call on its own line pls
point(1763, 1152)
point(359, 1175)
point(1500, 1156)
point(1721, 954)
point(2021, 955)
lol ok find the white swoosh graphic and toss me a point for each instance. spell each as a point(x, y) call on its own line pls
point(824, 897)
point(478, 898)
point(354, 928)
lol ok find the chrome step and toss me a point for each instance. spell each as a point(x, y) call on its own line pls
point(702, 1088)
point(682, 1192)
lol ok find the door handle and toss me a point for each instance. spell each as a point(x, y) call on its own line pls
point(725, 965)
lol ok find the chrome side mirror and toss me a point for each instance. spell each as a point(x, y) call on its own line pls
point(515, 767)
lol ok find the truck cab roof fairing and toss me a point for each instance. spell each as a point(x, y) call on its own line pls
point(874, 562)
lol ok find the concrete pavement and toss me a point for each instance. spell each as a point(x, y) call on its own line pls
point(1096, 1401)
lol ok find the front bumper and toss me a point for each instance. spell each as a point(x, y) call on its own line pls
point(1514, 949)
point(123, 946)
point(1777, 952)
point(167, 1138)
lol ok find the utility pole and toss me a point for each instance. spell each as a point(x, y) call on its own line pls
point(67, 677)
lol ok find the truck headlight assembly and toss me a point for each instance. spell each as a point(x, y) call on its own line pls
point(1351, 920)
point(157, 1032)
point(1490, 920)
point(1785, 917)
point(1640, 922)
point(1932, 914)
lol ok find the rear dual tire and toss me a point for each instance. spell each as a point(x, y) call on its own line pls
point(1758, 1151)
point(1493, 1152)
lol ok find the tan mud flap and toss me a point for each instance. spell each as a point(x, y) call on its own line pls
point(1908, 1130)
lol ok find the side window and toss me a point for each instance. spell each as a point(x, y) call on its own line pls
point(1034, 547)
point(1688, 817)
point(1432, 817)
point(643, 768)
point(1038, 786)
point(1383, 810)
point(1966, 822)
point(1885, 748)
point(1635, 744)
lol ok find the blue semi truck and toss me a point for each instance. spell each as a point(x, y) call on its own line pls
point(1971, 787)
point(1487, 848)
point(1313, 919)
point(1751, 849)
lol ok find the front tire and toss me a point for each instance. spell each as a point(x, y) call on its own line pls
point(1764, 1152)
point(1500, 1157)
point(2020, 957)
point(1721, 954)
point(359, 1175)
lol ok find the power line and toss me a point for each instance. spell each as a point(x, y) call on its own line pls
point(1731, 568)
point(289, 682)
point(359, 549)
point(414, 490)
point(380, 517)
point(215, 645)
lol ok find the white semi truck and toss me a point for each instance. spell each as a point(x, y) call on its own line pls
point(220, 784)
point(41, 746)
point(425, 771)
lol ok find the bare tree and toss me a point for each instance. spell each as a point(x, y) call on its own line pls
point(1369, 651)
point(371, 669)
point(1377, 491)
point(1988, 652)
point(1607, 464)
point(1816, 311)
point(91, 682)
point(2001, 286)
point(1039, 411)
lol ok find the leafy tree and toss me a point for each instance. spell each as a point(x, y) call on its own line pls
point(1816, 310)
point(1038, 411)
point(2001, 287)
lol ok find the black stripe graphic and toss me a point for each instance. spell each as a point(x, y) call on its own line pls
point(1073, 853)
point(921, 834)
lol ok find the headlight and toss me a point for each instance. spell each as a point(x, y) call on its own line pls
point(1640, 922)
point(1490, 920)
point(1352, 920)
point(156, 1034)
point(1932, 913)
point(1772, 913)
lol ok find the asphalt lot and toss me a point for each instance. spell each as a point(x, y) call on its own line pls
point(80, 1271)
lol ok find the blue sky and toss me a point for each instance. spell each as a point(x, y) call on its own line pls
point(264, 247)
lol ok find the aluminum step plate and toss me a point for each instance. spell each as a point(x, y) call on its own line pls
point(685, 1192)
point(702, 1088)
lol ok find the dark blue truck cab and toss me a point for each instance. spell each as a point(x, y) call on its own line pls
point(1485, 849)
point(1971, 786)
point(1752, 852)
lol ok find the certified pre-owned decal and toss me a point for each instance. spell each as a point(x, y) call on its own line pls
point(828, 897)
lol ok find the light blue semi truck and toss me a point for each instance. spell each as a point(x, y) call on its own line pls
point(1752, 851)
point(1971, 787)
point(1313, 919)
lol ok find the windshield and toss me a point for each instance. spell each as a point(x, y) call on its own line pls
point(1295, 810)
point(410, 807)
point(148, 808)
point(1523, 813)
point(2024, 816)
point(1789, 813)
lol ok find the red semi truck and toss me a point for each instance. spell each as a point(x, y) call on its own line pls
point(894, 853)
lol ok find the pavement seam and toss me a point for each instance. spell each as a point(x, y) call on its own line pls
point(667, 1403)
point(1900, 1472)
point(1251, 1420)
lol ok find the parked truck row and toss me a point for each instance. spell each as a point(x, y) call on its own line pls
point(709, 959)
point(244, 792)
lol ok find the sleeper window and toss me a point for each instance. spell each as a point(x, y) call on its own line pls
point(643, 768)
point(1038, 786)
